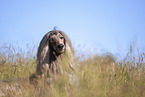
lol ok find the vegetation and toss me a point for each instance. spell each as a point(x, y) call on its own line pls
point(99, 76)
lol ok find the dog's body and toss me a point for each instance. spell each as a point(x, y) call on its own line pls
point(55, 51)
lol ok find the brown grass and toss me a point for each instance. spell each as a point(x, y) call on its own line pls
point(99, 76)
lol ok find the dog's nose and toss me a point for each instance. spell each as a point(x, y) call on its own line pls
point(60, 46)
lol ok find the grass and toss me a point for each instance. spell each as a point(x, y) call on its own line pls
point(99, 76)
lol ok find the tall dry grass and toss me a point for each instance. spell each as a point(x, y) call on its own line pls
point(99, 76)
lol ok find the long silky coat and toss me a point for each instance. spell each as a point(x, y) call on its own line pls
point(50, 61)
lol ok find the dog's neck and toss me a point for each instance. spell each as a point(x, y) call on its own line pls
point(53, 55)
point(53, 61)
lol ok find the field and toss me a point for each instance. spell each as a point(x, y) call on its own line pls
point(99, 76)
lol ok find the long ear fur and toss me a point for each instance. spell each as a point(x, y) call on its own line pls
point(43, 51)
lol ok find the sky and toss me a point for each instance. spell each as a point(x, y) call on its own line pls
point(93, 25)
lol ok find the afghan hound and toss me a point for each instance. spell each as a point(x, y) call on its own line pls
point(55, 56)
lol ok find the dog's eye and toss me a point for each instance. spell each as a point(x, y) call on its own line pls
point(61, 37)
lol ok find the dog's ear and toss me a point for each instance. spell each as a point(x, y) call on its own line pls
point(43, 47)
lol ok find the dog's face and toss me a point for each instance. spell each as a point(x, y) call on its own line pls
point(57, 42)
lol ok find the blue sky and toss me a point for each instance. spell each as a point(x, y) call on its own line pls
point(107, 25)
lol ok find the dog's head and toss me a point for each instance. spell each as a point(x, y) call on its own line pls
point(57, 42)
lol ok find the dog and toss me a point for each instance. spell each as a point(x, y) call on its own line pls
point(55, 56)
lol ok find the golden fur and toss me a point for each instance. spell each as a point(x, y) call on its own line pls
point(54, 50)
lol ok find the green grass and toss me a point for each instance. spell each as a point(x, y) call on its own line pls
point(99, 76)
